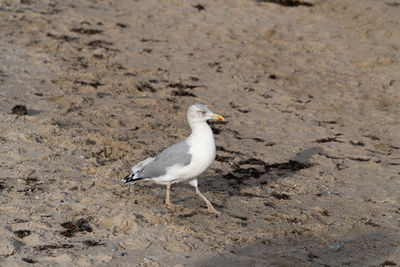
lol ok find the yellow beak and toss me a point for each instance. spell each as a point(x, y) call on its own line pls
point(218, 117)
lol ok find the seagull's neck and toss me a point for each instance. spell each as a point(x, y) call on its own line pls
point(201, 130)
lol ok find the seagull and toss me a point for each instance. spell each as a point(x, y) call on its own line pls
point(184, 161)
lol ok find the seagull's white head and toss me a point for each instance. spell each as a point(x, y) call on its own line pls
point(198, 113)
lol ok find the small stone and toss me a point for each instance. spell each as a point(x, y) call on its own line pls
point(336, 247)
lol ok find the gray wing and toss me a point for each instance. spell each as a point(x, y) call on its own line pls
point(175, 154)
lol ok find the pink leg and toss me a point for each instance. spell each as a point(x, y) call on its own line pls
point(209, 205)
point(167, 198)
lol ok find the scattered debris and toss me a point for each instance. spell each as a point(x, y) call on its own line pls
point(145, 40)
point(182, 92)
point(99, 43)
point(19, 110)
point(359, 143)
point(92, 243)
point(393, 4)
point(145, 86)
point(291, 165)
point(182, 86)
point(388, 263)
point(81, 225)
point(280, 196)
point(121, 25)
point(312, 256)
point(65, 38)
point(29, 260)
point(359, 159)
point(86, 31)
point(288, 3)
point(328, 139)
point(370, 222)
point(2, 186)
point(22, 233)
point(199, 7)
point(50, 247)
point(372, 137)
point(93, 84)
point(219, 158)
point(252, 161)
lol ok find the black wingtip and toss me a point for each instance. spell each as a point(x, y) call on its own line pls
point(130, 179)
point(126, 179)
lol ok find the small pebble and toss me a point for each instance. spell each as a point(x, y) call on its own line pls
point(121, 254)
point(335, 247)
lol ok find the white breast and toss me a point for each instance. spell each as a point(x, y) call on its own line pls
point(202, 149)
point(203, 153)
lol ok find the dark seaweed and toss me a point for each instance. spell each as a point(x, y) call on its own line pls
point(99, 43)
point(288, 3)
point(86, 31)
point(253, 161)
point(121, 25)
point(92, 243)
point(29, 260)
point(182, 92)
point(373, 137)
point(81, 225)
point(145, 40)
point(221, 148)
point(182, 86)
point(19, 110)
point(280, 196)
point(327, 140)
point(22, 233)
point(222, 158)
point(199, 7)
point(393, 4)
point(145, 86)
point(388, 263)
point(2, 186)
point(187, 215)
point(359, 143)
point(291, 165)
point(50, 247)
point(65, 38)
point(94, 84)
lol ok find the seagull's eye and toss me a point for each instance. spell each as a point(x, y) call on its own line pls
point(203, 112)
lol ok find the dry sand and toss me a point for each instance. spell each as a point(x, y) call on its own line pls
point(308, 158)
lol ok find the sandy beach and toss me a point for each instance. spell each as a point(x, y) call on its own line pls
point(307, 171)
